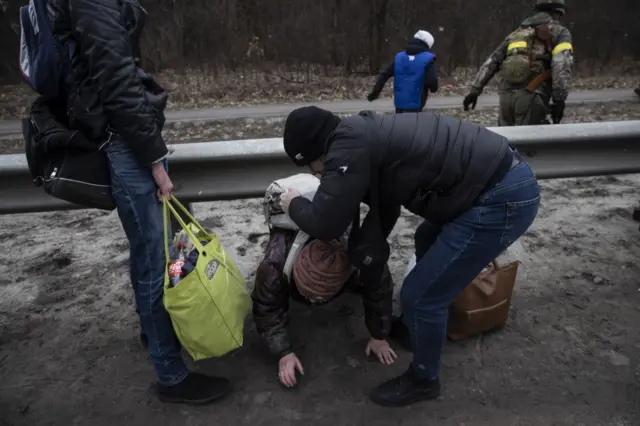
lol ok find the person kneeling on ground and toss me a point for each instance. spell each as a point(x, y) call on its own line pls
point(312, 272)
point(476, 194)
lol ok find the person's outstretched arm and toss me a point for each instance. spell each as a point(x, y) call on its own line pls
point(489, 68)
point(344, 183)
point(271, 294)
point(384, 76)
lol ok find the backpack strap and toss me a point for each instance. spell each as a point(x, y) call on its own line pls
point(299, 242)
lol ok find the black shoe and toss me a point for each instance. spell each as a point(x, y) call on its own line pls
point(404, 390)
point(400, 334)
point(637, 91)
point(195, 389)
point(144, 340)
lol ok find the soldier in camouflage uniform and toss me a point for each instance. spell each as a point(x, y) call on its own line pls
point(535, 64)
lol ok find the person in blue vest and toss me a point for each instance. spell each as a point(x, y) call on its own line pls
point(414, 75)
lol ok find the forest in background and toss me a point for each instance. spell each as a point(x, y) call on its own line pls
point(353, 36)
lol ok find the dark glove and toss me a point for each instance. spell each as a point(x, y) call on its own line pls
point(372, 96)
point(470, 99)
point(557, 111)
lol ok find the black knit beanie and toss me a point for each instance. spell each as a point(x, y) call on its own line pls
point(305, 133)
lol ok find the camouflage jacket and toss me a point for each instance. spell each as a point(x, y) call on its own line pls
point(272, 293)
point(559, 63)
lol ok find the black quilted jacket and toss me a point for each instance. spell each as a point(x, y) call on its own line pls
point(107, 88)
point(435, 166)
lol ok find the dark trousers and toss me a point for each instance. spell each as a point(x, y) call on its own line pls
point(450, 256)
point(140, 213)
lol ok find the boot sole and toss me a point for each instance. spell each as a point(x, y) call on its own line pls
point(203, 401)
point(426, 397)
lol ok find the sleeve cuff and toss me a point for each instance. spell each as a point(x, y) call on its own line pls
point(160, 159)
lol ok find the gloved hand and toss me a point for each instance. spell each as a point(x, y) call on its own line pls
point(470, 99)
point(372, 96)
point(557, 111)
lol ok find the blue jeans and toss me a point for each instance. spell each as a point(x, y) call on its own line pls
point(140, 212)
point(451, 256)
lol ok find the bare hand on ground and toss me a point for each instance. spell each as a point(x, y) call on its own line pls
point(165, 186)
point(382, 350)
point(288, 366)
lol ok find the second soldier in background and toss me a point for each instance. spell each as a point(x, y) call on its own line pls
point(535, 64)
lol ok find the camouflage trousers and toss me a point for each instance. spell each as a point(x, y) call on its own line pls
point(522, 108)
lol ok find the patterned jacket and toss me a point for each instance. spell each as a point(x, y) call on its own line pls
point(559, 62)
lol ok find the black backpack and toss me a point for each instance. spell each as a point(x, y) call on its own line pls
point(74, 169)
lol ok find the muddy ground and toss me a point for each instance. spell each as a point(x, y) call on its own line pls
point(69, 353)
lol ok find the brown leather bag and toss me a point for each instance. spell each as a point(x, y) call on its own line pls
point(484, 304)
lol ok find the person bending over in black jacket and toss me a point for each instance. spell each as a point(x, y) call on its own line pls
point(120, 108)
point(476, 194)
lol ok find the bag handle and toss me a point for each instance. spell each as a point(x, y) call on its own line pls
point(165, 224)
point(189, 216)
point(170, 210)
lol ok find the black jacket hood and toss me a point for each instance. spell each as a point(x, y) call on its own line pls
point(416, 46)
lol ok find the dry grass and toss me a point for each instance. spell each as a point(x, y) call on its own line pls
point(202, 88)
point(184, 132)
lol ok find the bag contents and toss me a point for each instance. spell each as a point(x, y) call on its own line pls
point(175, 270)
point(184, 262)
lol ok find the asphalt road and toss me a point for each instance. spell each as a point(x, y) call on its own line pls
point(8, 127)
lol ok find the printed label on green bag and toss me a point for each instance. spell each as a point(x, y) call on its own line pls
point(211, 268)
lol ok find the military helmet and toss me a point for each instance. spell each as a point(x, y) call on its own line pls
point(551, 5)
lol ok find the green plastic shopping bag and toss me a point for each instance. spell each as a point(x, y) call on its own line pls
point(207, 307)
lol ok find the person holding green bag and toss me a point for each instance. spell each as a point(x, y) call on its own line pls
point(119, 108)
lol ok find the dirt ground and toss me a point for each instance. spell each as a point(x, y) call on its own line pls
point(69, 353)
point(195, 88)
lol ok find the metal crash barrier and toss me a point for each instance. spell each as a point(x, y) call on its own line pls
point(213, 171)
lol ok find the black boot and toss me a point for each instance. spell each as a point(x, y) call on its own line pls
point(195, 389)
point(404, 390)
point(400, 333)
